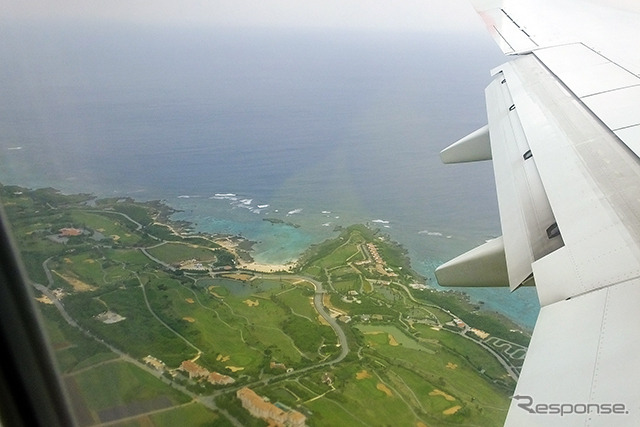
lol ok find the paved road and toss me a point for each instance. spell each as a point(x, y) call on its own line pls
point(319, 305)
point(138, 225)
point(156, 260)
point(210, 403)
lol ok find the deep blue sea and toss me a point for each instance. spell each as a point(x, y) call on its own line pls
point(234, 126)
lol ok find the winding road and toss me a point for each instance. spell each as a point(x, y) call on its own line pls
point(320, 308)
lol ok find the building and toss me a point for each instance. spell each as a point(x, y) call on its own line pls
point(154, 362)
point(260, 408)
point(193, 369)
point(374, 253)
point(70, 232)
point(216, 378)
point(277, 365)
point(345, 319)
point(459, 323)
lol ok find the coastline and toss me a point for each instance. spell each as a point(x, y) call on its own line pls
point(244, 248)
point(244, 264)
point(361, 278)
point(489, 299)
point(267, 268)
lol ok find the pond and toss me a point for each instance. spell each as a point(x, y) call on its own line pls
point(239, 288)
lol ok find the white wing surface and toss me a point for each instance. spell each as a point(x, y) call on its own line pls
point(564, 137)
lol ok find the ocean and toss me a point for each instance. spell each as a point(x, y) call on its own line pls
point(235, 126)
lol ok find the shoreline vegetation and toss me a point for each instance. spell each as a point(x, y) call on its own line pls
point(348, 333)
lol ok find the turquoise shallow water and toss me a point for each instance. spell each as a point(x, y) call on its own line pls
point(233, 127)
point(281, 243)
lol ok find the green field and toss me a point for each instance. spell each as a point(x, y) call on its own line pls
point(111, 389)
point(116, 229)
point(177, 252)
point(407, 363)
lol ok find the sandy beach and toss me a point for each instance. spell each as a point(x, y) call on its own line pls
point(265, 268)
point(253, 265)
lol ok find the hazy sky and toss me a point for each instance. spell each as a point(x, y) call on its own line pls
point(411, 15)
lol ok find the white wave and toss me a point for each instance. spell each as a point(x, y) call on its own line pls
point(246, 201)
point(293, 212)
point(326, 212)
point(380, 221)
point(183, 197)
point(326, 224)
point(14, 148)
point(229, 196)
point(386, 226)
point(263, 206)
point(432, 233)
point(242, 205)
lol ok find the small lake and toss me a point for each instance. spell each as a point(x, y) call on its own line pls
point(238, 288)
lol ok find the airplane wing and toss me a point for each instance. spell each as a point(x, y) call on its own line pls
point(564, 138)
